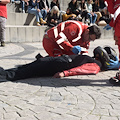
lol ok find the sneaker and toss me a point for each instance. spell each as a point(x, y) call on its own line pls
point(23, 11)
point(115, 80)
point(38, 24)
point(2, 44)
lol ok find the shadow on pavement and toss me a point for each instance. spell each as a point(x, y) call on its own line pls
point(64, 82)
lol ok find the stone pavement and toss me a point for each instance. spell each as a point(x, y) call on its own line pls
point(85, 97)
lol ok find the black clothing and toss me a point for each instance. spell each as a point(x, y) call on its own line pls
point(55, 17)
point(33, 5)
point(95, 8)
point(55, 4)
point(41, 4)
point(47, 66)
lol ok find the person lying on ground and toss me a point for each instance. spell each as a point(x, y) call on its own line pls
point(61, 66)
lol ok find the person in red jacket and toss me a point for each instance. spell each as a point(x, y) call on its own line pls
point(68, 37)
point(60, 66)
point(114, 8)
point(3, 17)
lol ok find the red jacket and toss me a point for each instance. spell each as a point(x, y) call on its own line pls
point(3, 10)
point(85, 69)
point(114, 8)
point(68, 34)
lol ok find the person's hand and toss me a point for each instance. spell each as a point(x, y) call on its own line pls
point(38, 10)
point(113, 64)
point(107, 27)
point(59, 75)
point(76, 49)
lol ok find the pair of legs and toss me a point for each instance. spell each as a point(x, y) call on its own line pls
point(92, 17)
point(40, 16)
point(2, 30)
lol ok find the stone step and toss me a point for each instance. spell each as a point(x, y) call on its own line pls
point(25, 33)
point(21, 19)
point(35, 33)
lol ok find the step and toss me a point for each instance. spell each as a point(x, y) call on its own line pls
point(25, 33)
point(35, 33)
point(21, 19)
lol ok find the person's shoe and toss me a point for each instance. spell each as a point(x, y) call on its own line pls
point(23, 11)
point(115, 80)
point(38, 24)
point(2, 44)
point(43, 21)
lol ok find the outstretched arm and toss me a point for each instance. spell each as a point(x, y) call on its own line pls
point(85, 69)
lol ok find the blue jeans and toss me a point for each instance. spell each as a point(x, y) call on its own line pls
point(35, 12)
point(92, 18)
point(44, 13)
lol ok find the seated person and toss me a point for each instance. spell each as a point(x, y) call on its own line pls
point(60, 66)
point(53, 17)
point(92, 16)
point(69, 15)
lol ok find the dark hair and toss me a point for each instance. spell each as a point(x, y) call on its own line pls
point(95, 30)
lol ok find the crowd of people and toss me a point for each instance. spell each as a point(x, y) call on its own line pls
point(87, 11)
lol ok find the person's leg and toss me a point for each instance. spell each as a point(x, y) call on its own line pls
point(94, 18)
point(51, 47)
point(35, 12)
point(2, 30)
point(23, 6)
point(44, 13)
point(42, 16)
point(90, 17)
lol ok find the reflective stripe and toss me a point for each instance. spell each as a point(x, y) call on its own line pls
point(60, 41)
point(117, 12)
point(62, 26)
point(63, 35)
point(55, 32)
point(84, 53)
point(61, 47)
point(116, 6)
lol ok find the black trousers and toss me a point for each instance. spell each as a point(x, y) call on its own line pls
point(47, 66)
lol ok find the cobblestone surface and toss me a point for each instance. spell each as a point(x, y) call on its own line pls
point(86, 97)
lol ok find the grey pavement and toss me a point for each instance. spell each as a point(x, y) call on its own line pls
point(84, 97)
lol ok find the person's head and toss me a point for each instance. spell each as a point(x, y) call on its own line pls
point(91, 33)
point(82, 1)
point(55, 10)
point(74, 1)
point(97, 2)
point(69, 11)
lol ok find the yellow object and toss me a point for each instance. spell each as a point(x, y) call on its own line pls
point(42, 21)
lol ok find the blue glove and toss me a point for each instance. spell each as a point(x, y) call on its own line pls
point(76, 49)
point(107, 27)
point(113, 64)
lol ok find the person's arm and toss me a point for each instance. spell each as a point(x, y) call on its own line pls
point(85, 69)
point(5, 1)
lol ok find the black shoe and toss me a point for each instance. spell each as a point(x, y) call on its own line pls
point(2, 44)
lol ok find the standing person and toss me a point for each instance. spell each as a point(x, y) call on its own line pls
point(3, 17)
point(68, 37)
point(114, 8)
